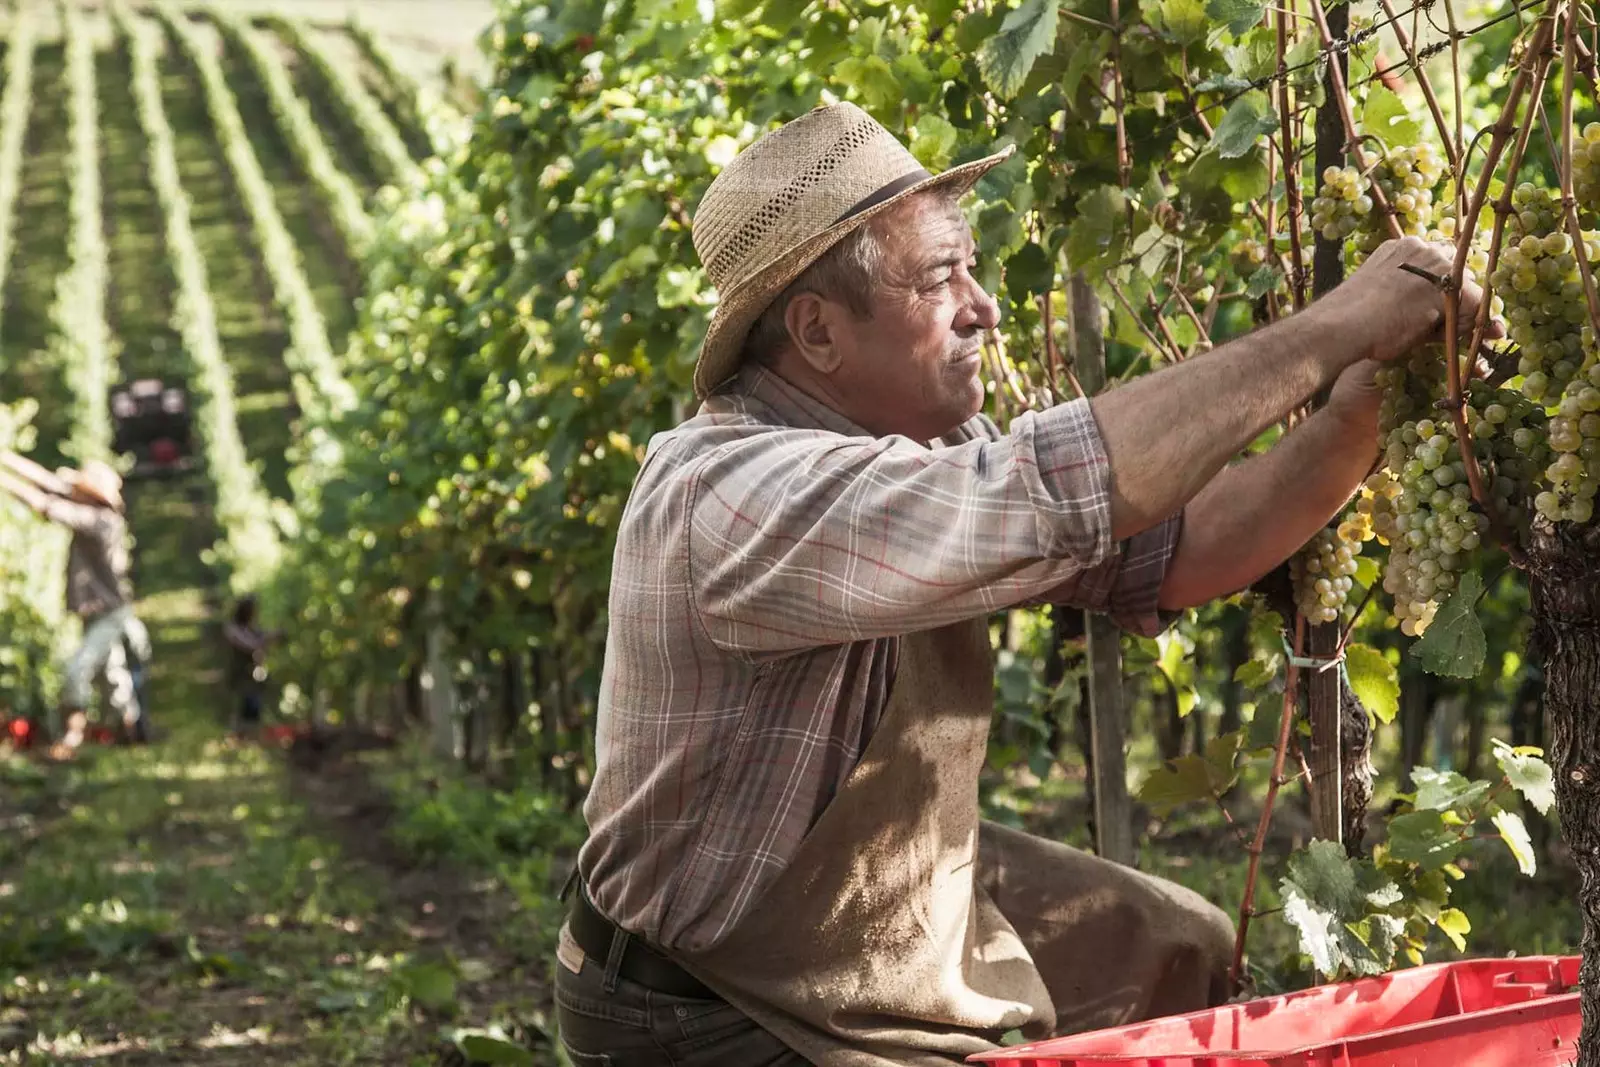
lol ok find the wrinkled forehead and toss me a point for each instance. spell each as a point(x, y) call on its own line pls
point(926, 226)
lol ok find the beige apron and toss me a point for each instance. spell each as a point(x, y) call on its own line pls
point(907, 932)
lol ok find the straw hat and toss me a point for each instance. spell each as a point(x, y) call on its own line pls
point(97, 480)
point(786, 200)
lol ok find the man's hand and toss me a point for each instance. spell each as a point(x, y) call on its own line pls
point(1390, 310)
point(1356, 398)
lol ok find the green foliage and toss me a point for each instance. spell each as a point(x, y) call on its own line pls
point(1026, 34)
point(1455, 644)
point(1374, 681)
point(32, 563)
point(1191, 778)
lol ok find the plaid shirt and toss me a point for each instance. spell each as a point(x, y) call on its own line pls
point(768, 557)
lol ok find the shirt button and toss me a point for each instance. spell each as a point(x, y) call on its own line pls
point(681, 1011)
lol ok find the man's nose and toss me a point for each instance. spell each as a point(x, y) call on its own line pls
point(981, 311)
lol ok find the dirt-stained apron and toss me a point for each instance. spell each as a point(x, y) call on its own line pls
point(905, 930)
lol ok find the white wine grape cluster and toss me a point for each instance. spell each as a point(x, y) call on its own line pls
point(1537, 276)
point(1510, 439)
point(1323, 573)
point(1434, 525)
point(1342, 204)
point(1409, 178)
point(1574, 437)
point(1586, 166)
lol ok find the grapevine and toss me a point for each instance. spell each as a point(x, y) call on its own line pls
point(383, 141)
point(82, 341)
point(318, 382)
point(243, 510)
point(300, 131)
point(15, 103)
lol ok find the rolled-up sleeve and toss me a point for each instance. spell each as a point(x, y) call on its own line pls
point(802, 538)
point(1126, 584)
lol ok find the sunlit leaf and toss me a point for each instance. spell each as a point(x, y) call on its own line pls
point(1373, 680)
point(1515, 834)
point(1528, 774)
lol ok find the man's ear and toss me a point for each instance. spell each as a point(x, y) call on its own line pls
point(810, 321)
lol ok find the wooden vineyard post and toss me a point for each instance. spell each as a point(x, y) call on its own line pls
point(1323, 705)
point(1113, 809)
point(438, 688)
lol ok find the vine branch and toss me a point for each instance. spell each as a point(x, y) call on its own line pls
point(1291, 684)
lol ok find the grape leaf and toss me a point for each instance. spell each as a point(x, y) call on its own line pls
point(1386, 117)
point(1515, 834)
point(1091, 233)
point(1421, 837)
point(1445, 790)
point(1373, 680)
point(1454, 644)
point(1456, 926)
point(1027, 33)
point(1239, 15)
point(934, 141)
point(1528, 774)
point(1330, 900)
point(1029, 271)
point(1265, 279)
point(431, 985)
point(1184, 20)
point(1246, 120)
point(1366, 571)
point(481, 1048)
point(1190, 778)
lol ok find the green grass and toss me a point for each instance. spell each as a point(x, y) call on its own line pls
point(38, 257)
point(251, 331)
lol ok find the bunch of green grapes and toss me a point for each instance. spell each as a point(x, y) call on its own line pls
point(1341, 206)
point(1537, 277)
point(1511, 440)
point(1586, 168)
point(1408, 178)
point(1323, 575)
point(1435, 526)
point(1574, 437)
point(1374, 514)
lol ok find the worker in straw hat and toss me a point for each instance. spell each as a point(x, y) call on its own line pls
point(785, 861)
point(88, 501)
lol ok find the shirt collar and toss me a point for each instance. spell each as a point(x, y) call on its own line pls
point(790, 405)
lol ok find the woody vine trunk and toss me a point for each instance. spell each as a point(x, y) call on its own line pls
point(1564, 571)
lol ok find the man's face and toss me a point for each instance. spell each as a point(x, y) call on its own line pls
point(913, 367)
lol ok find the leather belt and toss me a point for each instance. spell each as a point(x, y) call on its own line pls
point(595, 934)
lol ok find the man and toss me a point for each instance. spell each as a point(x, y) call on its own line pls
point(89, 503)
point(785, 862)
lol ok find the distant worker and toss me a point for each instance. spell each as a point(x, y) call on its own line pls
point(89, 503)
point(247, 673)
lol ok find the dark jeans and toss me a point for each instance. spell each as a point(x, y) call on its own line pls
point(633, 1026)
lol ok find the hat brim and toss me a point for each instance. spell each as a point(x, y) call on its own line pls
point(112, 498)
point(738, 309)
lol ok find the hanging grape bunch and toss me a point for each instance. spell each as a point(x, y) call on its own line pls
point(1574, 474)
point(1341, 205)
point(1323, 575)
point(1408, 178)
point(1586, 167)
point(1510, 439)
point(1537, 276)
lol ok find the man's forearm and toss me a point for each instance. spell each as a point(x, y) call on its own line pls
point(1169, 433)
point(1253, 516)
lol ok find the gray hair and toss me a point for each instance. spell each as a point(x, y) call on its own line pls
point(845, 274)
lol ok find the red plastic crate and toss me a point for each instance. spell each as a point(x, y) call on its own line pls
point(1476, 1013)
